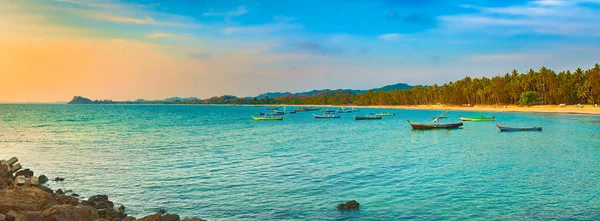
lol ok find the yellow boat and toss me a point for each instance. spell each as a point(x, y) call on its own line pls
point(267, 117)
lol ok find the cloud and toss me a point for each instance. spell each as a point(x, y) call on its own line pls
point(390, 37)
point(238, 12)
point(258, 29)
point(550, 17)
point(119, 19)
point(314, 47)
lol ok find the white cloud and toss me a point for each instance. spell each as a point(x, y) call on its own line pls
point(390, 37)
point(555, 17)
point(258, 29)
point(238, 12)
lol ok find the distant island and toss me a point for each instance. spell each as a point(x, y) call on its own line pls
point(531, 88)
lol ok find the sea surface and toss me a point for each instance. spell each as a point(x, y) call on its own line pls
point(215, 162)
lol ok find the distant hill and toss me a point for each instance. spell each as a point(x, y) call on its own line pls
point(83, 100)
point(393, 87)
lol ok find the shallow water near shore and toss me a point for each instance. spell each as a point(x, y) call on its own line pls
point(215, 162)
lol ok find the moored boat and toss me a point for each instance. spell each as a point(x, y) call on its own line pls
point(325, 116)
point(478, 118)
point(385, 114)
point(274, 113)
point(534, 128)
point(370, 116)
point(435, 124)
point(267, 117)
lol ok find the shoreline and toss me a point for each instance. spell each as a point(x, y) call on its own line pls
point(544, 109)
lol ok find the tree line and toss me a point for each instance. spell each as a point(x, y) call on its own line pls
point(544, 86)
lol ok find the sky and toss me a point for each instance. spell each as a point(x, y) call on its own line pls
point(51, 50)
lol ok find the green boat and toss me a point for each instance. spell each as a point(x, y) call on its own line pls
point(385, 114)
point(478, 118)
point(267, 117)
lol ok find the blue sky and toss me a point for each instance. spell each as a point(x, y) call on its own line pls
point(208, 47)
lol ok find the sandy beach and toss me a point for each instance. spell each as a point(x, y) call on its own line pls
point(551, 109)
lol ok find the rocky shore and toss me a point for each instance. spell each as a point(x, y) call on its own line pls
point(24, 197)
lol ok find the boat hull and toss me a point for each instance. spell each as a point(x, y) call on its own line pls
point(477, 118)
point(418, 126)
point(508, 129)
point(367, 118)
point(326, 116)
point(267, 118)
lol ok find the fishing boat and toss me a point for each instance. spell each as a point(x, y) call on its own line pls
point(477, 118)
point(301, 109)
point(534, 128)
point(435, 124)
point(277, 113)
point(325, 116)
point(385, 114)
point(344, 111)
point(288, 112)
point(326, 111)
point(369, 116)
point(267, 117)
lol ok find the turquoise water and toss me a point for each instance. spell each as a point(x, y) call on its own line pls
point(218, 163)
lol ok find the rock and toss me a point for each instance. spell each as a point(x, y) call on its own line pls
point(102, 220)
point(99, 202)
point(75, 194)
point(155, 217)
point(12, 215)
point(69, 213)
point(62, 199)
point(121, 209)
point(34, 215)
point(350, 205)
point(170, 217)
point(46, 189)
point(129, 218)
point(60, 192)
point(21, 199)
point(26, 172)
point(59, 179)
point(42, 179)
point(2, 217)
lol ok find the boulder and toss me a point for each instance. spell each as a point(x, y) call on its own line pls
point(12, 215)
point(62, 199)
point(26, 172)
point(170, 217)
point(129, 218)
point(42, 179)
point(69, 213)
point(60, 192)
point(59, 179)
point(46, 189)
point(34, 215)
point(155, 217)
point(99, 202)
point(2, 217)
point(350, 205)
point(21, 199)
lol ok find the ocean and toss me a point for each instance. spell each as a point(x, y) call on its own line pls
point(216, 163)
